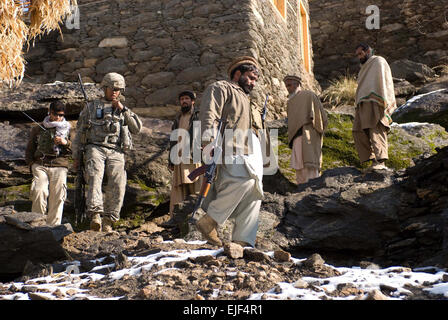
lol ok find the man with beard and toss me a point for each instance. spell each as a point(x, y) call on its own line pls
point(307, 121)
point(375, 103)
point(181, 185)
point(237, 191)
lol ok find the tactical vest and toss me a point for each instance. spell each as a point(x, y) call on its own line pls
point(45, 142)
point(106, 127)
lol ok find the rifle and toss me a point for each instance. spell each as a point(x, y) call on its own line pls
point(265, 109)
point(80, 196)
point(208, 170)
point(34, 121)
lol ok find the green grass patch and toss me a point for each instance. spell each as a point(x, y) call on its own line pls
point(338, 148)
point(14, 193)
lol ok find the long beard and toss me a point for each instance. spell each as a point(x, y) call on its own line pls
point(367, 57)
point(185, 109)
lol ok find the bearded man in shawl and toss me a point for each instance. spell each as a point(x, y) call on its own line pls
point(307, 122)
point(238, 190)
point(375, 103)
point(47, 153)
point(181, 185)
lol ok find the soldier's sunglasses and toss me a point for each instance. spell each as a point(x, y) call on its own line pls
point(59, 114)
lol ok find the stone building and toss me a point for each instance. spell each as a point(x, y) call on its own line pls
point(164, 46)
point(408, 29)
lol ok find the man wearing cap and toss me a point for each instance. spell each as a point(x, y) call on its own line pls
point(181, 185)
point(237, 190)
point(375, 103)
point(307, 121)
point(103, 134)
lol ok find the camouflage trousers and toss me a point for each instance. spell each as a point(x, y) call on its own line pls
point(100, 161)
point(48, 192)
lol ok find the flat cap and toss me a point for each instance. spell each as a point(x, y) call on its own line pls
point(240, 61)
point(293, 77)
point(189, 93)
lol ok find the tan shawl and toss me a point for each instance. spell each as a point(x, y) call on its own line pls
point(375, 84)
point(306, 111)
point(305, 108)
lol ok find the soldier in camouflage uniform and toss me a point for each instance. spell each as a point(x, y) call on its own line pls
point(103, 134)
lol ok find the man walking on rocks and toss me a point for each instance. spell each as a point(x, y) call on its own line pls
point(181, 185)
point(237, 191)
point(375, 103)
point(103, 134)
point(47, 153)
point(307, 122)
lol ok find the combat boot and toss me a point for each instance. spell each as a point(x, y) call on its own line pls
point(107, 224)
point(95, 223)
point(207, 226)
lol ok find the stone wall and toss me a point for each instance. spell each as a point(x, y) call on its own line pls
point(277, 43)
point(165, 46)
point(413, 29)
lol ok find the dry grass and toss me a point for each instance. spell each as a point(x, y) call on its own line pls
point(13, 34)
point(341, 91)
point(441, 69)
point(45, 16)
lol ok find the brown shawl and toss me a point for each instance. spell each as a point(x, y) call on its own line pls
point(305, 111)
point(305, 108)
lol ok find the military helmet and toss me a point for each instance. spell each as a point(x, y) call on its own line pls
point(113, 80)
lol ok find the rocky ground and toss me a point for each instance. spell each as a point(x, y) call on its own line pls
point(140, 264)
point(326, 240)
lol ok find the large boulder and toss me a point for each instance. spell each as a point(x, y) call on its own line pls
point(441, 83)
point(411, 71)
point(24, 237)
point(13, 169)
point(403, 88)
point(390, 217)
point(342, 210)
point(428, 107)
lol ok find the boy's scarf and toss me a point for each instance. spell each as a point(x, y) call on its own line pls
point(62, 129)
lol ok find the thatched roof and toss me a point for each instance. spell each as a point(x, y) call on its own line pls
point(16, 35)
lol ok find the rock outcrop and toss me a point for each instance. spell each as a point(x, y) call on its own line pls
point(426, 107)
point(384, 216)
point(35, 99)
point(25, 237)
